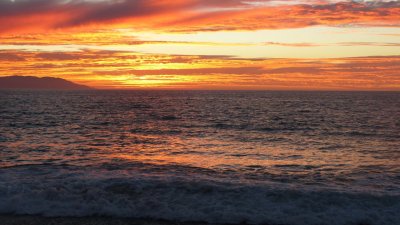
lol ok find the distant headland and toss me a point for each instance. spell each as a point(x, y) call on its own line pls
point(39, 83)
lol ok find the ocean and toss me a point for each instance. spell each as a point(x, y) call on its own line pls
point(225, 157)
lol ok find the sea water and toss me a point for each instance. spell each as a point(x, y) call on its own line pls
point(299, 158)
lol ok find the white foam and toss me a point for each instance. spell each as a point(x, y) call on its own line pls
point(78, 193)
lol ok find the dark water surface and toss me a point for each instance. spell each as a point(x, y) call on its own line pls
point(220, 157)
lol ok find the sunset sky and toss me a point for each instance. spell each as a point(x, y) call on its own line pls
point(205, 44)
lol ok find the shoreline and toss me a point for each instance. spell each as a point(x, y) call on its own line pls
point(11, 219)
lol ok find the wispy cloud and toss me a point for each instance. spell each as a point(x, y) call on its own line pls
point(120, 69)
point(292, 44)
point(191, 15)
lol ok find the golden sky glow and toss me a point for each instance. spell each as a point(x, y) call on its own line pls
point(204, 44)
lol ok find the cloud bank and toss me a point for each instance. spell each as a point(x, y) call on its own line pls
point(192, 15)
point(119, 69)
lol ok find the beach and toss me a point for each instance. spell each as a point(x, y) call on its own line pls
point(40, 220)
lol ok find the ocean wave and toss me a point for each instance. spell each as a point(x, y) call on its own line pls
point(50, 192)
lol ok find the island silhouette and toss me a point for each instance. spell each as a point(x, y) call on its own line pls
point(39, 83)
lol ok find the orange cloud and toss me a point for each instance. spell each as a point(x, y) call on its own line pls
point(295, 16)
point(189, 15)
point(118, 69)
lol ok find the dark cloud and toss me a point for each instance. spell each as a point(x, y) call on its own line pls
point(10, 57)
point(107, 11)
point(26, 7)
point(250, 71)
point(60, 56)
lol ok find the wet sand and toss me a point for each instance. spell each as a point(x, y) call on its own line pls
point(40, 220)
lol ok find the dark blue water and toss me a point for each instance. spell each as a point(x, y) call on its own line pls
point(220, 157)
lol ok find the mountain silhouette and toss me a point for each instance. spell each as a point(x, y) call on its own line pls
point(43, 83)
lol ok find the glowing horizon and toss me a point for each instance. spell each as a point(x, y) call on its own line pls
point(203, 44)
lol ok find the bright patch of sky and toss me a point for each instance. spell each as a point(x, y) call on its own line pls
point(318, 35)
point(311, 42)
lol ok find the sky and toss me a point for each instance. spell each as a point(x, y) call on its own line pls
point(205, 44)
